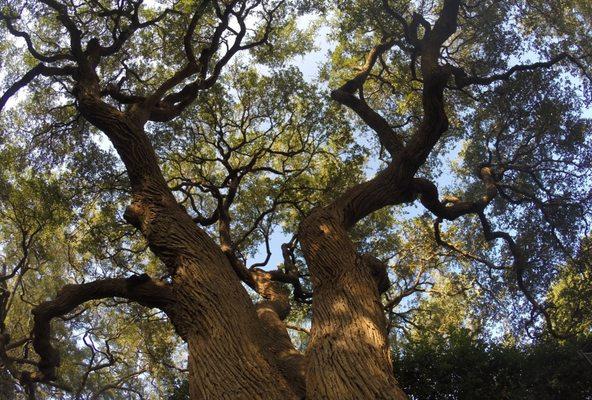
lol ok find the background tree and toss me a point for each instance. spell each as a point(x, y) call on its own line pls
point(215, 143)
point(460, 367)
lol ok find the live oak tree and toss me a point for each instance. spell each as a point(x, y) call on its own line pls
point(216, 141)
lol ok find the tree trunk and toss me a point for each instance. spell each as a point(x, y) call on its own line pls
point(348, 355)
point(228, 358)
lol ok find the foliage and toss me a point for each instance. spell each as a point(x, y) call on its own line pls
point(458, 366)
point(470, 314)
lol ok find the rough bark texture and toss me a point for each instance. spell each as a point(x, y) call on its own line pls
point(215, 315)
point(288, 360)
point(236, 351)
point(349, 355)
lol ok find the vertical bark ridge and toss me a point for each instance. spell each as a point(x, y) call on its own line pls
point(289, 361)
point(272, 311)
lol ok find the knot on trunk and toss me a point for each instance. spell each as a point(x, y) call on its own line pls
point(133, 215)
point(379, 271)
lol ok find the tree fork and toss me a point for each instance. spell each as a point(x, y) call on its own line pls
point(227, 354)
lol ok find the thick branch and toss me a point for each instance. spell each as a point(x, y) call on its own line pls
point(453, 208)
point(429, 198)
point(73, 31)
point(445, 26)
point(273, 310)
point(126, 33)
point(38, 70)
point(139, 288)
point(187, 39)
point(393, 185)
point(163, 107)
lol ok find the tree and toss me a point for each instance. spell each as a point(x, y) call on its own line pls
point(461, 367)
point(216, 155)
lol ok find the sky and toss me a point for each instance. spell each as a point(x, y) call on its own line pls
point(309, 65)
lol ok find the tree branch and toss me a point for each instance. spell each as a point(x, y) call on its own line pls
point(463, 80)
point(38, 70)
point(345, 96)
point(519, 267)
point(73, 31)
point(429, 197)
point(138, 288)
point(30, 47)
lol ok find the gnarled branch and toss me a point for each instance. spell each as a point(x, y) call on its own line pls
point(138, 288)
point(454, 208)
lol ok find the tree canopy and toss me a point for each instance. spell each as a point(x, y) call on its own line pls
point(182, 205)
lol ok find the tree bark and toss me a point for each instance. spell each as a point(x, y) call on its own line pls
point(349, 354)
point(214, 314)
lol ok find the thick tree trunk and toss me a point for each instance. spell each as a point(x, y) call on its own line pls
point(228, 358)
point(349, 355)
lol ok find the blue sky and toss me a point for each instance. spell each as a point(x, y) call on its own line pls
point(309, 65)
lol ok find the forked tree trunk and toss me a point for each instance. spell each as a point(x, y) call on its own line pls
point(236, 352)
point(228, 358)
